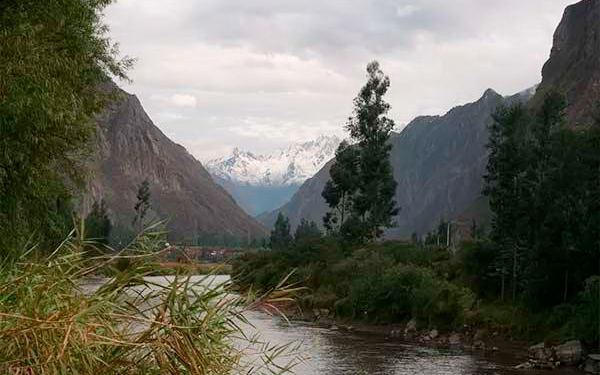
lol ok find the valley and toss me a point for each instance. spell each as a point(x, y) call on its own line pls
point(346, 195)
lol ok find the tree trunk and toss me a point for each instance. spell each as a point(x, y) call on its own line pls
point(514, 293)
point(566, 286)
point(502, 289)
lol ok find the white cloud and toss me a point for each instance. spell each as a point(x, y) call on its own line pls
point(180, 100)
point(257, 74)
point(406, 10)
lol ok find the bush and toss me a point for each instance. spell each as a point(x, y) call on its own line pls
point(478, 261)
point(584, 321)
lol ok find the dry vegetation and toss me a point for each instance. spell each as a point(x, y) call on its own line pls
point(52, 323)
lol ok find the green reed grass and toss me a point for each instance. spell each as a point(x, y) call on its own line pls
point(52, 322)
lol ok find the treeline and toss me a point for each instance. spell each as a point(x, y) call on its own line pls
point(543, 183)
point(533, 273)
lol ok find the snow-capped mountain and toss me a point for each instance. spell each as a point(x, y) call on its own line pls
point(286, 167)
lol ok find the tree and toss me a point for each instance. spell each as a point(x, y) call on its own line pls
point(504, 184)
point(307, 231)
point(374, 202)
point(280, 235)
point(142, 205)
point(97, 224)
point(53, 57)
point(372, 186)
point(340, 189)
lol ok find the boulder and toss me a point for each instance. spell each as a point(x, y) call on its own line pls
point(455, 339)
point(525, 366)
point(569, 353)
point(592, 364)
point(411, 326)
point(540, 352)
point(433, 334)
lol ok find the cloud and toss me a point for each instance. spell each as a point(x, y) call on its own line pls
point(180, 100)
point(215, 74)
point(406, 10)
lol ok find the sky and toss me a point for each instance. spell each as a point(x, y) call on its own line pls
point(261, 74)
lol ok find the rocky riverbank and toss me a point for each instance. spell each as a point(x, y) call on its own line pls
point(571, 354)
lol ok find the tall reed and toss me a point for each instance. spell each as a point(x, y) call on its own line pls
point(53, 322)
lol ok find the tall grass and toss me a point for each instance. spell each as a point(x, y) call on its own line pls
point(52, 322)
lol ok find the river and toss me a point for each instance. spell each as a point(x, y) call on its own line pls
point(330, 351)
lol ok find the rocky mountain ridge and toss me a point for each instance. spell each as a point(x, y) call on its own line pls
point(285, 167)
point(130, 149)
point(574, 64)
point(438, 163)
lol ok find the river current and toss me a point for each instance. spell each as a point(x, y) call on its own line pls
point(326, 350)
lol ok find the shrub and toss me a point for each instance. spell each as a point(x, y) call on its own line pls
point(584, 323)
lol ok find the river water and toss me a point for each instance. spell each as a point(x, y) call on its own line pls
point(329, 351)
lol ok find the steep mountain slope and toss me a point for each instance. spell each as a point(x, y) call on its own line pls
point(131, 149)
point(574, 64)
point(438, 163)
point(262, 183)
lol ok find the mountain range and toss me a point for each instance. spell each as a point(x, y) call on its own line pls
point(264, 182)
point(439, 161)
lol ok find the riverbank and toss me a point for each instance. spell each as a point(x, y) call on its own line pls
point(428, 296)
point(516, 353)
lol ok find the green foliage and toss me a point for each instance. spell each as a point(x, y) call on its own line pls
point(388, 282)
point(374, 202)
point(307, 231)
point(280, 235)
point(97, 223)
point(362, 187)
point(54, 57)
point(584, 320)
point(479, 260)
point(543, 184)
point(339, 191)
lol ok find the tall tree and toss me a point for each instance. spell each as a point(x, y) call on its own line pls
point(53, 56)
point(142, 205)
point(280, 235)
point(504, 184)
point(371, 186)
point(374, 201)
point(340, 189)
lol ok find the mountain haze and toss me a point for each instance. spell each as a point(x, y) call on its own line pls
point(262, 183)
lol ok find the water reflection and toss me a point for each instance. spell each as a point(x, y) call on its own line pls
point(336, 352)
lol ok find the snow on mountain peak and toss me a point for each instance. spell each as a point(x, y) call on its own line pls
point(289, 166)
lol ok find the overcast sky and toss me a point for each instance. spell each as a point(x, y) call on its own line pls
point(260, 74)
